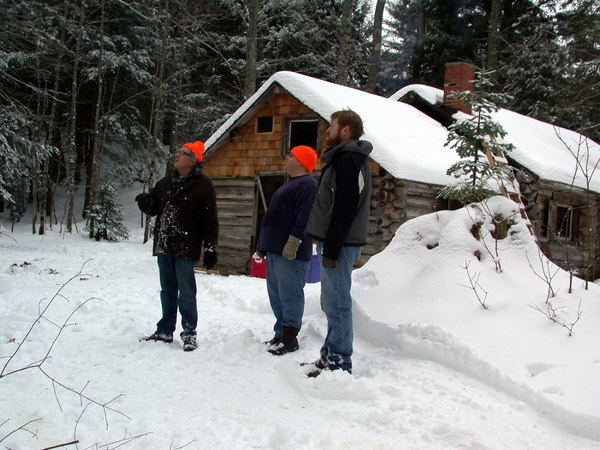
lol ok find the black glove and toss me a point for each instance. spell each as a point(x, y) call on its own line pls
point(144, 202)
point(210, 258)
point(329, 263)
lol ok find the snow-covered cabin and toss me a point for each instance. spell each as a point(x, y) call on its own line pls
point(244, 156)
point(555, 170)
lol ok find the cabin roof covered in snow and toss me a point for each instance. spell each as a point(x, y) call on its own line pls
point(410, 145)
point(553, 153)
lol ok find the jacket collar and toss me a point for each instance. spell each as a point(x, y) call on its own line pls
point(353, 145)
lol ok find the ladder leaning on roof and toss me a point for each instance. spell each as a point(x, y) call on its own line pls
point(509, 188)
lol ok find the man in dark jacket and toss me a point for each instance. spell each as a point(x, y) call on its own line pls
point(186, 218)
point(288, 249)
point(339, 221)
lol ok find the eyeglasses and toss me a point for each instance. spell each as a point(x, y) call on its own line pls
point(183, 152)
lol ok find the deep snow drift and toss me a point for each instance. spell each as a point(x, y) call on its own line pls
point(433, 367)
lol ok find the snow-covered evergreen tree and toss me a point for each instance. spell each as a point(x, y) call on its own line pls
point(105, 220)
point(471, 137)
point(20, 153)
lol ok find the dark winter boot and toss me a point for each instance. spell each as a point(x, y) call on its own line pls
point(273, 341)
point(159, 337)
point(189, 343)
point(288, 344)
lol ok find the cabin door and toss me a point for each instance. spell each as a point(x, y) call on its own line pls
point(265, 185)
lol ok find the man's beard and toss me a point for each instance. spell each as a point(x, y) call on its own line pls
point(333, 142)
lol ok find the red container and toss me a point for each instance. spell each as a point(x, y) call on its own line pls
point(258, 268)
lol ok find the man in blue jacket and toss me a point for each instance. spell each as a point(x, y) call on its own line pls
point(339, 222)
point(287, 248)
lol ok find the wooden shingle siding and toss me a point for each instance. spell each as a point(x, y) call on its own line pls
point(247, 151)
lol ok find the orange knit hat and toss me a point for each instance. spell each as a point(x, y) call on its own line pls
point(197, 148)
point(306, 155)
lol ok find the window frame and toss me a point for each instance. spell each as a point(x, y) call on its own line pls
point(264, 117)
point(287, 131)
point(565, 231)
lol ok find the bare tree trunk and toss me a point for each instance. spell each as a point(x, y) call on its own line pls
point(35, 175)
point(43, 198)
point(344, 47)
point(376, 48)
point(92, 177)
point(47, 193)
point(417, 52)
point(156, 113)
point(251, 36)
point(493, 35)
point(174, 128)
point(35, 181)
point(71, 149)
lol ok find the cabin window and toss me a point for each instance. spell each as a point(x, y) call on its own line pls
point(562, 222)
point(264, 124)
point(301, 132)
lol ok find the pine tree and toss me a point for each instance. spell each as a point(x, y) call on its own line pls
point(579, 28)
point(105, 220)
point(471, 137)
point(425, 34)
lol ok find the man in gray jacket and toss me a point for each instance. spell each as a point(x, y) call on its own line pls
point(338, 222)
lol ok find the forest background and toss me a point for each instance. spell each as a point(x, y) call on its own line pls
point(97, 93)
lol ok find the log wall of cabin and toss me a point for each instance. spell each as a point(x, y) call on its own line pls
point(393, 202)
point(581, 251)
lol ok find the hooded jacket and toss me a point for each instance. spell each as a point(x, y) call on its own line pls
point(186, 215)
point(340, 214)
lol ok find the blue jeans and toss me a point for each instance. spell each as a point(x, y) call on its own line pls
point(336, 303)
point(285, 286)
point(178, 289)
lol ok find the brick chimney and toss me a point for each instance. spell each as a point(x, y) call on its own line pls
point(459, 77)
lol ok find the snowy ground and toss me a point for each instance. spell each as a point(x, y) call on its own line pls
point(433, 369)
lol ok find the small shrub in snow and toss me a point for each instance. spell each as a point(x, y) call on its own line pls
point(501, 226)
point(105, 220)
point(474, 285)
point(476, 230)
point(551, 312)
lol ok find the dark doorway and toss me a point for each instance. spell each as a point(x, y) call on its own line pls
point(265, 185)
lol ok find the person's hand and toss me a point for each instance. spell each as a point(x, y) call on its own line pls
point(260, 254)
point(144, 202)
point(291, 247)
point(210, 258)
point(329, 263)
